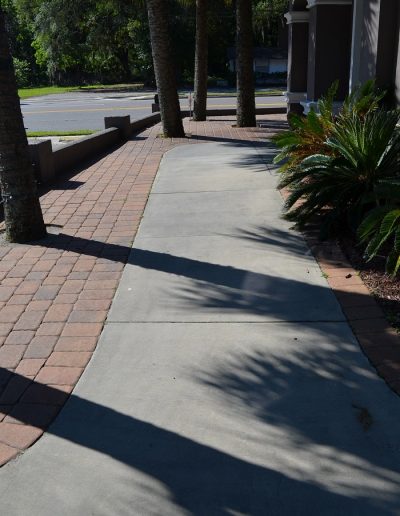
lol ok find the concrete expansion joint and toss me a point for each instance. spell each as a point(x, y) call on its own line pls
point(244, 321)
point(183, 192)
point(163, 237)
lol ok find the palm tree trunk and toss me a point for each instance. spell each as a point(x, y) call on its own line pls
point(22, 213)
point(201, 63)
point(164, 69)
point(246, 105)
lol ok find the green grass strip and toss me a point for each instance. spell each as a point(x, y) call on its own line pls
point(25, 93)
point(266, 93)
point(38, 134)
point(39, 92)
point(122, 87)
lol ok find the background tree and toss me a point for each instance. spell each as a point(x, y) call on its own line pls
point(75, 42)
point(246, 104)
point(164, 69)
point(60, 39)
point(20, 36)
point(201, 62)
point(268, 20)
point(22, 212)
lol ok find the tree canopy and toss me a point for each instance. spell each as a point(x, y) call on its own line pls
point(75, 42)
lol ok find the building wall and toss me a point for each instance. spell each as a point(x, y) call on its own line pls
point(297, 57)
point(354, 42)
point(365, 40)
point(397, 71)
point(375, 43)
point(329, 49)
point(277, 66)
point(264, 65)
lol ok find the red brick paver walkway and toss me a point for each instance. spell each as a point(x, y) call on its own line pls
point(55, 294)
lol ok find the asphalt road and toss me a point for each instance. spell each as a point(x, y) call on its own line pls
point(82, 110)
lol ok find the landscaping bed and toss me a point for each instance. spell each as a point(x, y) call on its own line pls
point(384, 287)
point(340, 173)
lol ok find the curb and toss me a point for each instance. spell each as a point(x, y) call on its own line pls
point(377, 339)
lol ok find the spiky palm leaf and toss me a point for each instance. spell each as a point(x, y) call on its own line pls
point(364, 98)
point(308, 134)
point(381, 226)
point(360, 153)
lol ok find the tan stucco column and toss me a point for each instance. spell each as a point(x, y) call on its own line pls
point(297, 59)
point(329, 47)
point(375, 42)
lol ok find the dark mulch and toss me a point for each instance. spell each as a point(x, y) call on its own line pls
point(384, 288)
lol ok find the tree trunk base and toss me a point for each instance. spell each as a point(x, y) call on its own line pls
point(24, 238)
point(24, 221)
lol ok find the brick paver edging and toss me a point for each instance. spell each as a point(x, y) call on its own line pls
point(378, 340)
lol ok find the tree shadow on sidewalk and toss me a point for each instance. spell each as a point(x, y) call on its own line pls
point(272, 237)
point(200, 479)
point(338, 415)
point(213, 286)
point(210, 286)
point(232, 141)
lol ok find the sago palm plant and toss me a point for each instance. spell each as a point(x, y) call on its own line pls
point(380, 230)
point(308, 134)
point(338, 182)
point(363, 99)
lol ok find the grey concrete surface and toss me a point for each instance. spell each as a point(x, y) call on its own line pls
point(202, 248)
point(56, 141)
point(271, 416)
point(210, 278)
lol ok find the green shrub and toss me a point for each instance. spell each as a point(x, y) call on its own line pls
point(338, 183)
point(380, 230)
point(362, 100)
point(214, 81)
point(22, 72)
point(307, 135)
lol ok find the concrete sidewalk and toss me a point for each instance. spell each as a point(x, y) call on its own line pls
point(227, 380)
